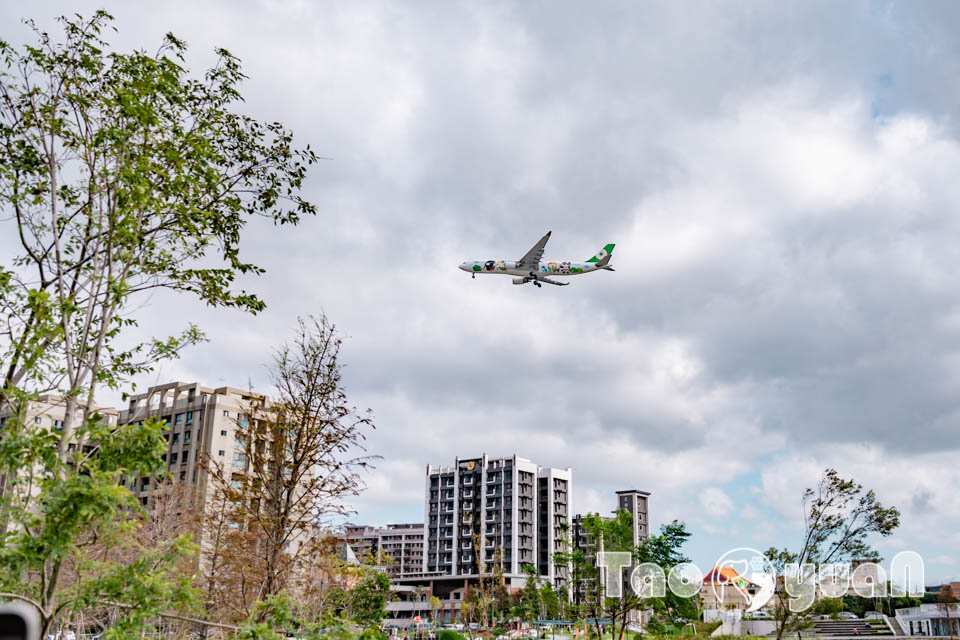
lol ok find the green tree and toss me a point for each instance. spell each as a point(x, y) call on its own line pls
point(616, 534)
point(829, 607)
point(120, 174)
point(436, 606)
point(299, 461)
point(549, 602)
point(530, 594)
point(490, 597)
point(609, 535)
point(663, 550)
point(839, 519)
point(368, 599)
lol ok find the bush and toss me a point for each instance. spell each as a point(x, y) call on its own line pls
point(449, 634)
point(372, 633)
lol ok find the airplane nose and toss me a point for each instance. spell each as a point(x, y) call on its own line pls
point(463, 266)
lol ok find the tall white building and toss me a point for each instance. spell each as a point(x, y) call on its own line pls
point(483, 511)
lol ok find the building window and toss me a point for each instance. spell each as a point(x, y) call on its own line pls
point(226, 414)
point(189, 417)
point(36, 420)
point(144, 484)
point(183, 476)
point(173, 458)
point(186, 437)
point(221, 453)
point(179, 419)
point(223, 432)
point(176, 438)
point(194, 475)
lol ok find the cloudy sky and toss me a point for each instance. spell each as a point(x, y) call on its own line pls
point(781, 180)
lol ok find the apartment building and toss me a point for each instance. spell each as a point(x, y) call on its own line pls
point(480, 512)
point(202, 420)
point(636, 503)
point(48, 411)
point(397, 548)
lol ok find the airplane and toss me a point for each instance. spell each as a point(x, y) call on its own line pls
point(530, 269)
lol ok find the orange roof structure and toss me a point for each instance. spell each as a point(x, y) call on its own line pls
point(725, 575)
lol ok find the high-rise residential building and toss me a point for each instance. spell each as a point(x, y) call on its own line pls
point(483, 512)
point(397, 548)
point(202, 421)
point(636, 503)
point(49, 410)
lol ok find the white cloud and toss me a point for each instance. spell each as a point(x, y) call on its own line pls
point(716, 502)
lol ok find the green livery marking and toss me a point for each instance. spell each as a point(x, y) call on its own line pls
point(603, 253)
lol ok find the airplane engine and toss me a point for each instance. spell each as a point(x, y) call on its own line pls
point(520, 280)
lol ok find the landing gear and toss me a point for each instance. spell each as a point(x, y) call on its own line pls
point(473, 276)
point(537, 283)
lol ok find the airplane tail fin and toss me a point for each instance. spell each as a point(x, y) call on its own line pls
point(602, 259)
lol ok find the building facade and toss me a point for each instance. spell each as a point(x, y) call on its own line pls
point(484, 512)
point(203, 423)
point(49, 410)
point(397, 548)
point(634, 502)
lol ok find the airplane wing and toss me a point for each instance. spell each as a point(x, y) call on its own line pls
point(549, 281)
point(532, 258)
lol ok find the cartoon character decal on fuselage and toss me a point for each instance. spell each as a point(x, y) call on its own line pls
point(530, 268)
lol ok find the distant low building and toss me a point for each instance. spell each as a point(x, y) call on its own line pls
point(724, 588)
point(954, 588)
point(930, 620)
point(397, 548)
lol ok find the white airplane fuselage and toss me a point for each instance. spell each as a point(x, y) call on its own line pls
point(532, 268)
point(509, 268)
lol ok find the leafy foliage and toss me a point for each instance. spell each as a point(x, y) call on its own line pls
point(616, 534)
point(839, 518)
point(120, 174)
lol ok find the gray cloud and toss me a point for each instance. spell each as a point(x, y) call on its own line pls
point(779, 179)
